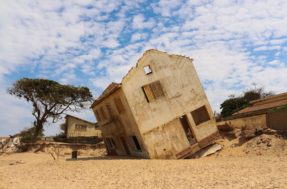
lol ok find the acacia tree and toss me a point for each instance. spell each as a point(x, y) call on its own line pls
point(49, 99)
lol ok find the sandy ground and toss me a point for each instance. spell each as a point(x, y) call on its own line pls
point(258, 163)
point(30, 170)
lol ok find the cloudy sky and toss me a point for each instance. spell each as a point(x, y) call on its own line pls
point(234, 43)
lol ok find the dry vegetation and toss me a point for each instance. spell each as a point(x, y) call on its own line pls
point(260, 162)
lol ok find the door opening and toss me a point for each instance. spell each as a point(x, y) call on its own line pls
point(187, 130)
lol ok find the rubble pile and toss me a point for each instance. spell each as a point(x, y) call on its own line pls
point(265, 144)
point(253, 141)
point(11, 145)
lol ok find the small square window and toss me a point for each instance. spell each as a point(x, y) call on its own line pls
point(200, 115)
point(147, 70)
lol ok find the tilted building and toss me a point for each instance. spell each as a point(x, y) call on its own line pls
point(159, 110)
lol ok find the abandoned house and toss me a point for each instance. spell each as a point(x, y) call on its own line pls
point(267, 112)
point(76, 127)
point(159, 110)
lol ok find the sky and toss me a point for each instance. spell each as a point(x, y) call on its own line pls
point(234, 44)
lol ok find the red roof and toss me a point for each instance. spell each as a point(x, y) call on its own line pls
point(265, 104)
point(107, 92)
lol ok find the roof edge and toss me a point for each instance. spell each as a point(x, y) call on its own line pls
point(101, 97)
point(68, 115)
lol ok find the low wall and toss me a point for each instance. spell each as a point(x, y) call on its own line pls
point(277, 119)
point(258, 121)
point(81, 140)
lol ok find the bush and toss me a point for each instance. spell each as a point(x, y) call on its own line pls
point(27, 134)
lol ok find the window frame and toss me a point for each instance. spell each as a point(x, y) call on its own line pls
point(153, 91)
point(197, 115)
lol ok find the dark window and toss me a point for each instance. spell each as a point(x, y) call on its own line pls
point(200, 115)
point(137, 144)
point(119, 105)
point(153, 91)
point(110, 143)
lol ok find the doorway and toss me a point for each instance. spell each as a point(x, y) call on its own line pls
point(187, 130)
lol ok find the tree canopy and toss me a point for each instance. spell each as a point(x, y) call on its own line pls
point(50, 99)
point(236, 103)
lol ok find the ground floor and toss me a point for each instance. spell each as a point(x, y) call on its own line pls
point(30, 170)
point(123, 145)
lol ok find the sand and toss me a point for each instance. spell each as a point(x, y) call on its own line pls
point(30, 170)
point(236, 166)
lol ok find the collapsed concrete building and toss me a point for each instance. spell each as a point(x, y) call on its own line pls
point(159, 110)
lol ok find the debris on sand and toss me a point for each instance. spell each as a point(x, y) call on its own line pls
point(11, 145)
point(254, 142)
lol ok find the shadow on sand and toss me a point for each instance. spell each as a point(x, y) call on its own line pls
point(104, 158)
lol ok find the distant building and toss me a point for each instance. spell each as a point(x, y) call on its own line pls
point(76, 127)
point(159, 110)
point(267, 112)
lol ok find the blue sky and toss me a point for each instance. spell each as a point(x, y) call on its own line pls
point(234, 43)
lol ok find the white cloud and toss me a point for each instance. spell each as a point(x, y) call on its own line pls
point(139, 22)
point(138, 36)
point(233, 43)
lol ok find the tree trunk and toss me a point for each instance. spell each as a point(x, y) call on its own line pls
point(38, 129)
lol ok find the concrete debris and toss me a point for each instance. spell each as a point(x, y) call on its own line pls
point(209, 150)
point(11, 145)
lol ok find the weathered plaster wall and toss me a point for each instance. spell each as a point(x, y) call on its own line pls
point(167, 140)
point(183, 94)
point(258, 121)
point(120, 125)
point(90, 132)
point(277, 119)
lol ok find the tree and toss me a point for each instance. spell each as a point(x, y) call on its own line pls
point(236, 103)
point(49, 99)
point(27, 134)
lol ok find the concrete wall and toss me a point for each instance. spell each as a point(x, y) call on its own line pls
point(166, 140)
point(119, 125)
point(183, 93)
point(257, 121)
point(277, 119)
point(72, 132)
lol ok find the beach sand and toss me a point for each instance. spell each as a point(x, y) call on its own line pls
point(30, 170)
